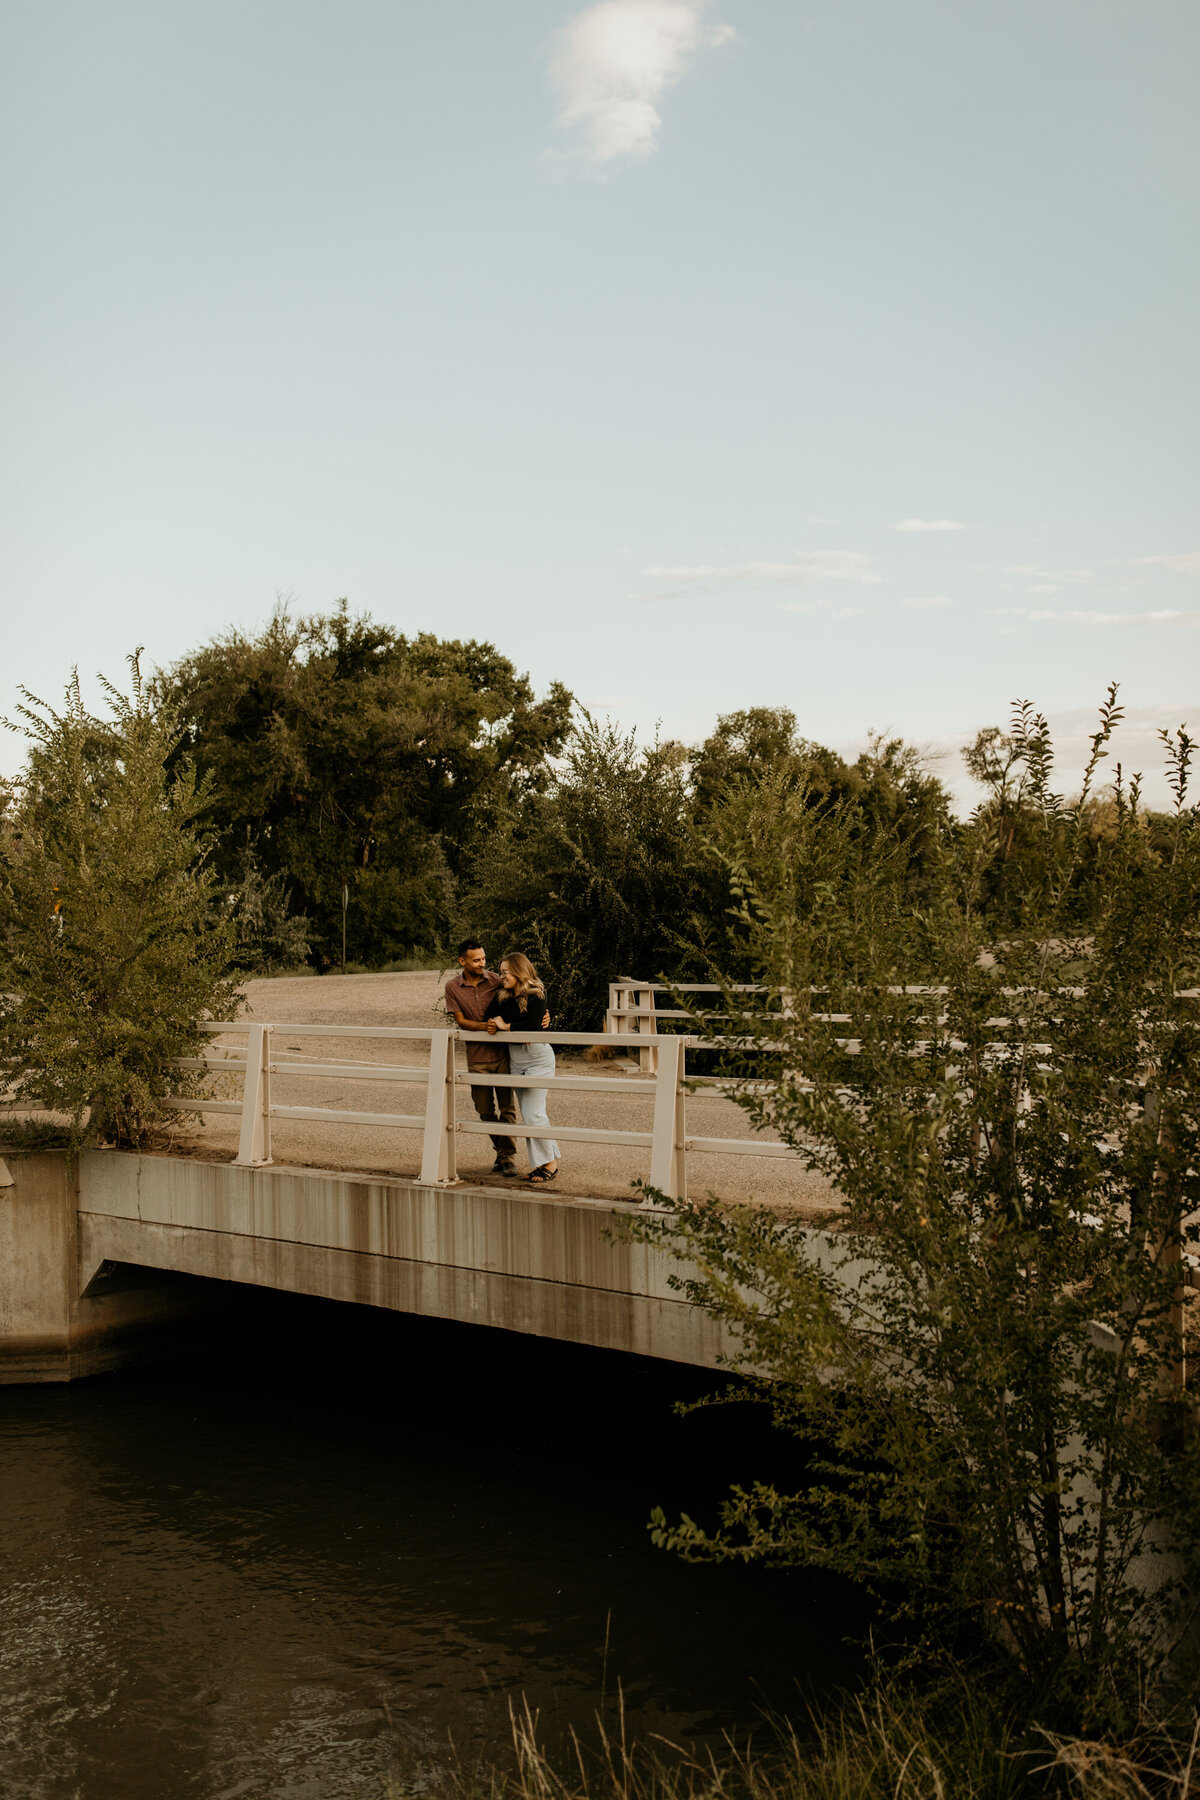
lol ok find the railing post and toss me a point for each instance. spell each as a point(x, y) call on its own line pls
point(254, 1145)
point(667, 1148)
point(647, 1058)
point(438, 1164)
point(611, 1022)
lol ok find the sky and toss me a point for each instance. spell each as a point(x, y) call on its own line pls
point(835, 354)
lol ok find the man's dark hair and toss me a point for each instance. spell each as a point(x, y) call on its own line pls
point(468, 944)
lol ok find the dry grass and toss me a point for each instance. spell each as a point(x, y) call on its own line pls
point(879, 1746)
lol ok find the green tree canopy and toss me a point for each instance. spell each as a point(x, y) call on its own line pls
point(346, 752)
point(597, 878)
point(755, 770)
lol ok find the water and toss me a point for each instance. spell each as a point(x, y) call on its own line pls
point(308, 1566)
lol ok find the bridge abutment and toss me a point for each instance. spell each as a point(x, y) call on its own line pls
point(51, 1329)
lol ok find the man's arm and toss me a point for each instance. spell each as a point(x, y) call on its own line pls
point(465, 1023)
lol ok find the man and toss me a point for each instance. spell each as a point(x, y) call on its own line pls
point(468, 997)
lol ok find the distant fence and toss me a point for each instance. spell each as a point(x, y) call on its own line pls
point(633, 1011)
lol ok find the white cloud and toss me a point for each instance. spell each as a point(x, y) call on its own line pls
point(1187, 563)
point(930, 525)
point(817, 565)
point(1163, 616)
point(821, 606)
point(612, 63)
point(1054, 575)
point(933, 600)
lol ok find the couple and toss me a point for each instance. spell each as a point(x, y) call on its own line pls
point(514, 1000)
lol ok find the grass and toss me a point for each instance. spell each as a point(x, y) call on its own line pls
point(419, 962)
point(888, 1743)
point(33, 1134)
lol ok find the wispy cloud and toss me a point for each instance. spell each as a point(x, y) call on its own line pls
point(821, 606)
point(1054, 576)
point(817, 565)
point(933, 600)
point(930, 525)
point(1042, 616)
point(612, 63)
point(1163, 617)
point(1187, 563)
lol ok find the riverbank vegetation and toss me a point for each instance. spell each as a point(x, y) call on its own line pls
point(951, 1741)
point(989, 1353)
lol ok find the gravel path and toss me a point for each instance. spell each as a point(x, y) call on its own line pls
point(600, 1171)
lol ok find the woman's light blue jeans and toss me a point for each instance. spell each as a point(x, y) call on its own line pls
point(534, 1059)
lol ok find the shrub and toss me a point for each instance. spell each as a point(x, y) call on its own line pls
point(116, 938)
point(988, 1351)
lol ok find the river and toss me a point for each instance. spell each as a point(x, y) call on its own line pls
point(324, 1557)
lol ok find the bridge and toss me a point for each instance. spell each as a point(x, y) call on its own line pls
point(104, 1262)
point(111, 1258)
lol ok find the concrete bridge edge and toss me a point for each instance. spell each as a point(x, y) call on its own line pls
point(125, 1257)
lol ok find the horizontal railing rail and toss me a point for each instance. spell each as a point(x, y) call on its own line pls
point(262, 1062)
point(262, 1059)
point(633, 1010)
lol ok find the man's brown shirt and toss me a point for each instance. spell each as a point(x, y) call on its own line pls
point(473, 999)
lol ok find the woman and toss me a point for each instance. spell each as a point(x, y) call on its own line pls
point(511, 1010)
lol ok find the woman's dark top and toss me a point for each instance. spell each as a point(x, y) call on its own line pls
point(507, 1006)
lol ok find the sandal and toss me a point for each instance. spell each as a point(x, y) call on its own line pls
point(542, 1176)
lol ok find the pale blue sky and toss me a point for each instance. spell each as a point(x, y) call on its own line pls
point(624, 336)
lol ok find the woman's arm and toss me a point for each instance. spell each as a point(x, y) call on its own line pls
point(492, 1015)
point(492, 1022)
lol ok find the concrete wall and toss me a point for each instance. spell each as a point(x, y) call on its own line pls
point(49, 1330)
point(518, 1260)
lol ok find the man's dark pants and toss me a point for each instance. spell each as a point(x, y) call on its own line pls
point(497, 1106)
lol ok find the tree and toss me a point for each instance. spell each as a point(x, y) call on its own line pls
point(988, 1352)
point(116, 936)
point(341, 753)
point(755, 772)
point(597, 878)
point(620, 868)
point(269, 936)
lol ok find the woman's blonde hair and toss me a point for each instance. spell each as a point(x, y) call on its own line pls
point(527, 978)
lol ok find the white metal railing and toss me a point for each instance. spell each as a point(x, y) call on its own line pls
point(667, 1140)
